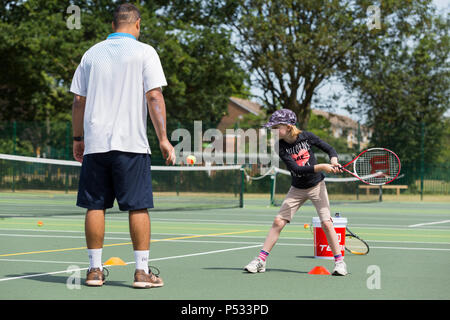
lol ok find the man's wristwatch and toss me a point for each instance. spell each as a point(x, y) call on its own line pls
point(78, 138)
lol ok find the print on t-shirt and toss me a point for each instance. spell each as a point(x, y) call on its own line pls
point(301, 158)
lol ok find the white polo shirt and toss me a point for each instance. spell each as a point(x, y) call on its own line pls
point(114, 76)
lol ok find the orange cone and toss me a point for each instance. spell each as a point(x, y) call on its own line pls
point(319, 270)
point(115, 261)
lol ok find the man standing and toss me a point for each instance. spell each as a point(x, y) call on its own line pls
point(115, 83)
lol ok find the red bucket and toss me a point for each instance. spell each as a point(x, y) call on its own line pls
point(321, 248)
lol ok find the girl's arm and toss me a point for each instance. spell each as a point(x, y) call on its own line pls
point(325, 147)
point(294, 167)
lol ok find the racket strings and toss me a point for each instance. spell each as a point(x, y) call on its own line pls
point(377, 166)
point(355, 245)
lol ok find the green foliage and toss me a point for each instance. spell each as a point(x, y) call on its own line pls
point(291, 47)
point(443, 155)
point(321, 127)
point(40, 55)
point(250, 121)
point(201, 72)
point(403, 84)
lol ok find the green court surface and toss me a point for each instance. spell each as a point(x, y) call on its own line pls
point(201, 253)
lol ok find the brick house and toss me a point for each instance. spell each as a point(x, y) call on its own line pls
point(342, 126)
point(237, 108)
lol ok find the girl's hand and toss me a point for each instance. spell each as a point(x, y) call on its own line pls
point(334, 162)
point(325, 167)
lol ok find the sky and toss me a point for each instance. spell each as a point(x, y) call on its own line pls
point(333, 86)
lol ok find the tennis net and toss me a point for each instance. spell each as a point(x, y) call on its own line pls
point(338, 188)
point(174, 187)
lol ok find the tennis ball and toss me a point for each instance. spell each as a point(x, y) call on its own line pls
point(191, 159)
point(40, 223)
point(306, 226)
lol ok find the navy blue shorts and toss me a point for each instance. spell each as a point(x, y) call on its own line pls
point(124, 176)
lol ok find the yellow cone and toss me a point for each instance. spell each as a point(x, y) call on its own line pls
point(115, 261)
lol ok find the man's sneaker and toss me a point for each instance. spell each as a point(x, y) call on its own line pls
point(256, 265)
point(340, 269)
point(96, 277)
point(146, 280)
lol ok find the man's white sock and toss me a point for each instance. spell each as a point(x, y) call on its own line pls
point(141, 258)
point(95, 258)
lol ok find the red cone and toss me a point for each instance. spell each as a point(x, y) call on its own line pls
point(319, 270)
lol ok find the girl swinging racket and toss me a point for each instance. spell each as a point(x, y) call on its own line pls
point(307, 184)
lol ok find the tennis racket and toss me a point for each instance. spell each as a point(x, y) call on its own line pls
point(355, 244)
point(375, 166)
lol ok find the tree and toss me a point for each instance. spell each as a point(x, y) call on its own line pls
point(200, 69)
point(292, 47)
point(444, 153)
point(41, 54)
point(404, 84)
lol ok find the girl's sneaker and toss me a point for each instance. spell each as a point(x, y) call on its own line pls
point(340, 269)
point(256, 265)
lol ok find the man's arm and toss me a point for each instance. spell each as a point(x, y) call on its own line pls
point(78, 106)
point(157, 110)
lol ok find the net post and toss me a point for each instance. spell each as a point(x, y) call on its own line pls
point(13, 186)
point(177, 183)
point(422, 162)
point(273, 178)
point(241, 193)
point(357, 192)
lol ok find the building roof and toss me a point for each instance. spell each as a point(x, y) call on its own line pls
point(337, 120)
point(248, 105)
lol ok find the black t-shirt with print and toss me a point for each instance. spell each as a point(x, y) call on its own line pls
point(300, 159)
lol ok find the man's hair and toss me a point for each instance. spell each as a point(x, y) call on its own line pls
point(125, 14)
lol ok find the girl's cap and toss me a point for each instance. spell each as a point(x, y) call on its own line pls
point(282, 116)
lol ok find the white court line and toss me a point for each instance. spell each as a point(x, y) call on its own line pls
point(428, 223)
point(82, 232)
point(155, 259)
point(50, 236)
point(43, 261)
point(299, 222)
point(310, 245)
point(188, 234)
point(406, 248)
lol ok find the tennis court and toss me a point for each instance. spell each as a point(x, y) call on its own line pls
point(201, 253)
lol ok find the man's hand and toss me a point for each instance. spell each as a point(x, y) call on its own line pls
point(157, 110)
point(168, 152)
point(78, 150)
